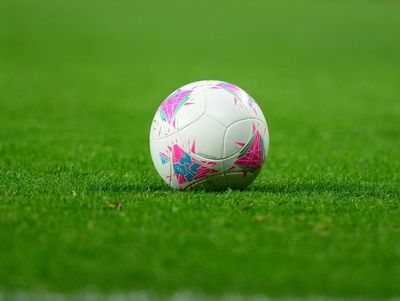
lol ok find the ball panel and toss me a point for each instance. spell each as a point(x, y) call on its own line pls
point(224, 107)
point(207, 135)
point(161, 129)
point(255, 110)
point(237, 135)
point(235, 91)
point(252, 154)
point(187, 167)
point(198, 86)
point(161, 156)
point(193, 109)
point(242, 97)
point(172, 104)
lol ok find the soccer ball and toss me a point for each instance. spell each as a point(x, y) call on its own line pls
point(210, 135)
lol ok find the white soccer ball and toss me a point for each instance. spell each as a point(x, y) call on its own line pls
point(209, 134)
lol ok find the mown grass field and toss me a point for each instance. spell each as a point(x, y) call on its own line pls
point(82, 208)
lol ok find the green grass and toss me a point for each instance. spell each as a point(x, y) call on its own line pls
point(81, 206)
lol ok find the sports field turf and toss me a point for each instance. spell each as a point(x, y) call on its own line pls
point(82, 208)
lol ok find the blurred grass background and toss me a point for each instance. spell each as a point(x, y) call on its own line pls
point(79, 84)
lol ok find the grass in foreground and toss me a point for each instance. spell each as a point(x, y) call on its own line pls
point(81, 205)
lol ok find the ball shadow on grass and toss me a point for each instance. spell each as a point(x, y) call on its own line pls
point(273, 188)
